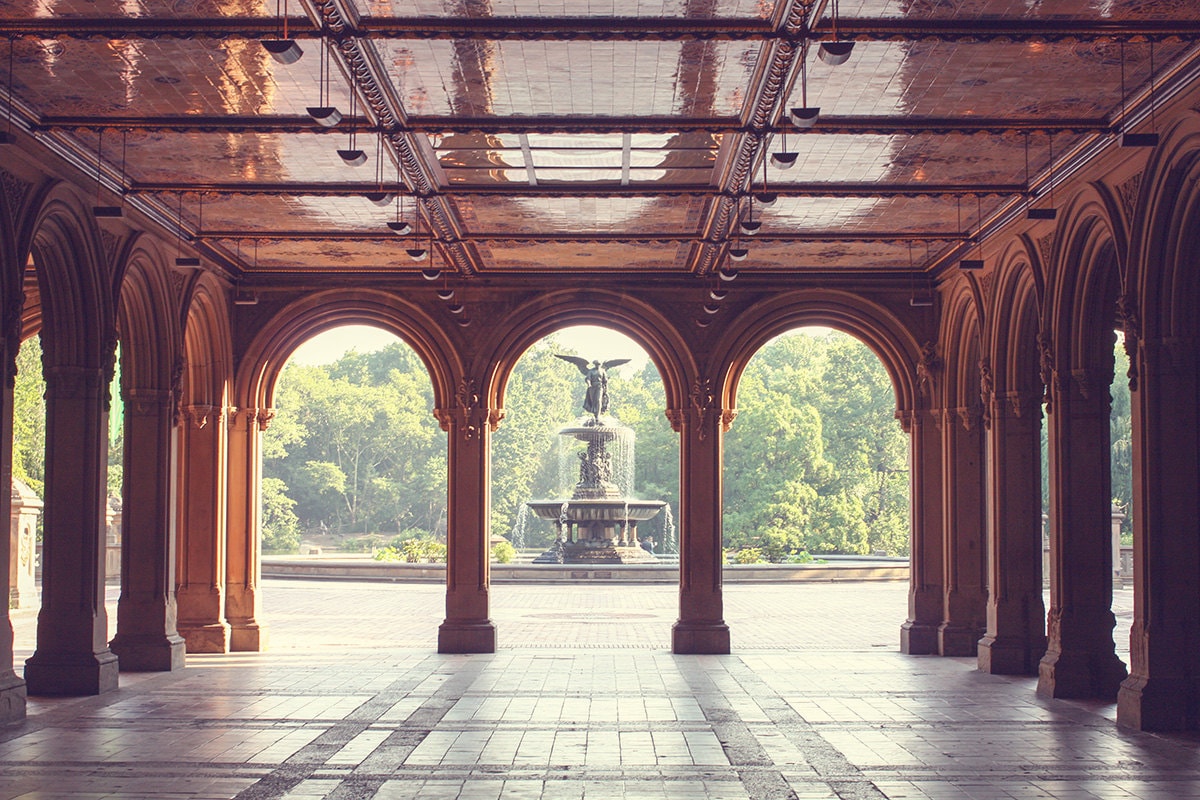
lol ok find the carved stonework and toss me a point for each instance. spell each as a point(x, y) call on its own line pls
point(1045, 246)
point(263, 418)
point(1047, 371)
point(987, 389)
point(198, 416)
point(727, 418)
point(467, 396)
point(987, 287)
point(111, 243)
point(1129, 191)
point(675, 417)
point(147, 402)
point(704, 402)
point(970, 417)
point(1127, 317)
point(15, 191)
point(928, 364)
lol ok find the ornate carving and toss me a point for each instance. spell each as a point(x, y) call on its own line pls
point(111, 243)
point(970, 417)
point(727, 417)
point(675, 416)
point(263, 417)
point(1047, 371)
point(987, 389)
point(15, 191)
point(928, 363)
point(1045, 246)
point(1127, 316)
point(704, 402)
point(467, 397)
point(1129, 191)
point(198, 415)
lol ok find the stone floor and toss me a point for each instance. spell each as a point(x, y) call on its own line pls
point(583, 701)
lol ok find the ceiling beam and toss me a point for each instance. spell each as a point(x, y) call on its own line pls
point(384, 234)
point(600, 29)
point(814, 189)
point(830, 124)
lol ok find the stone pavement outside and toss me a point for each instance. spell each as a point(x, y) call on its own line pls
point(583, 702)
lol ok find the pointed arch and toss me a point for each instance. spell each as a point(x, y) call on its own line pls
point(875, 325)
point(556, 310)
point(322, 311)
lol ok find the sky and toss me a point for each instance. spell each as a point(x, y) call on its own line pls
point(589, 341)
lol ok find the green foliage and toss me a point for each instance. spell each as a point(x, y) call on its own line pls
point(815, 461)
point(29, 417)
point(503, 553)
point(414, 551)
point(749, 555)
point(357, 445)
point(280, 527)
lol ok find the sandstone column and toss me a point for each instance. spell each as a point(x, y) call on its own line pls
point(919, 634)
point(964, 615)
point(72, 655)
point(243, 602)
point(1162, 692)
point(1081, 660)
point(1016, 629)
point(12, 687)
point(146, 637)
point(203, 438)
point(468, 627)
point(701, 626)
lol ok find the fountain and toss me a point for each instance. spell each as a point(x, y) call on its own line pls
point(598, 525)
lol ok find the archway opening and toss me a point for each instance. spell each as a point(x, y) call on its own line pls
point(354, 481)
point(816, 486)
point(563, 514)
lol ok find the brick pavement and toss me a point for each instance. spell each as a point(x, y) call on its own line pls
point(583, 702)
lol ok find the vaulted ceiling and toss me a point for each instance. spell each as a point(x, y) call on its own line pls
point(568, 136)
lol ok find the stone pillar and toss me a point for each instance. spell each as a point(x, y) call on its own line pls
point(243, 568)
point(146, 637)
point(72, 655)
point(964, 615)
point(919, 634)
point(1162, 692)
point(12, 686)
point(1081, 659)
point(468, 627)
point(1016, 618)
point(203, 437)
point(26, 508)
point(701, 626)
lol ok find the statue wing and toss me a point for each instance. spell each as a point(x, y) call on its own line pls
point(616, 362)
point(582, 363)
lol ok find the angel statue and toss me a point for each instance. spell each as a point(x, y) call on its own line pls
point(595, 401)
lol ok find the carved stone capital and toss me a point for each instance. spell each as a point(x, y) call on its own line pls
point(148, 402)
point(928, 365)
point(198, 416)
point(728, 415)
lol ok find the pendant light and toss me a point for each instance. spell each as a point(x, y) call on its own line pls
point(835, 52)
point(750, 226)
point(352, 155)
point(977, 263)
point(399, 225)
point(324, 113)
point(101, 210)
point(6, 136)
point(284, 49)
point(180, 259)
point(1138, 139)
point(1041, 213)
point(381, 196)
point(805, 116)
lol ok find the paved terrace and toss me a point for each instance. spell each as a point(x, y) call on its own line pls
point(584, 701)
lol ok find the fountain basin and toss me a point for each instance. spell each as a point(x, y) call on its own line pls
point(596, 531)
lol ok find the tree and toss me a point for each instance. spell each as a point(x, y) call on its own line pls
point(29, 417)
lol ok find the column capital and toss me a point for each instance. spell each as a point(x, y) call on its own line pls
point(251, 417)
point(703, 413)
point(468, 414)
point(198, 415)
point(148, 402)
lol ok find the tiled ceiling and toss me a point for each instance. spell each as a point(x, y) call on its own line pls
point(530, 136)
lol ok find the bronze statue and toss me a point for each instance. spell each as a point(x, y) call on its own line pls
point(595, 374)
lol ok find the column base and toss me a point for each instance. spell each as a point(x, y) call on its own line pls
point(149, 653)
point(918, 639)
point(12, 698)
point(71, 674)
point(700, 638)
point(205, 638)
point(1158, 704)
point(1080, 675)
point(1007, 656)
point(247, 637)
point(467, 637)
point(956, 640)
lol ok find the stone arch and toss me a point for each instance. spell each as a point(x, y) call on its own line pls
point(1166, 237)
point(961, 347)
point(77, 310)
point(556, 310)
point(322, 311)
point(207, 348)
point(873, 324)
point(148, 326)
point(1015, 315)
point(1084, 287)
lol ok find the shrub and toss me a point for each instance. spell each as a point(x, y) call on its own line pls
point(749, 555)
point(503, 553)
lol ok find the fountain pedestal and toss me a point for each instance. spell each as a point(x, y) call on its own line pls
point(598, 525)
